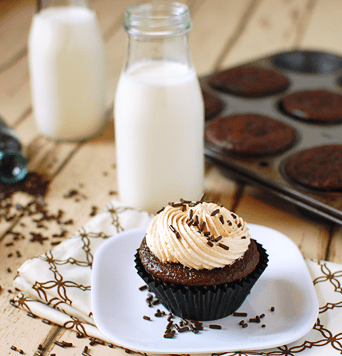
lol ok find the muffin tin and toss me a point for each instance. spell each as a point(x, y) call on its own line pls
point(306, 70)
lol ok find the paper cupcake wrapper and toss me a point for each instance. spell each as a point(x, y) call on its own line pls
point(204, 302)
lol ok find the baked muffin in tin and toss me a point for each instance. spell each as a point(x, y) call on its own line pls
point(249, 81)
point(249, 134)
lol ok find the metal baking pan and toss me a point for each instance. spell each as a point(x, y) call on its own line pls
point(305, 70)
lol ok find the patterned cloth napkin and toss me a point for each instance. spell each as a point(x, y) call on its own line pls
point(56, 286)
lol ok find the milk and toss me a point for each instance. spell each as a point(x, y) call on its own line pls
point(67, 68)
point(159, 119)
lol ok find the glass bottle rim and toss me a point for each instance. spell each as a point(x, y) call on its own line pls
point(42, 4)
point(157, 18)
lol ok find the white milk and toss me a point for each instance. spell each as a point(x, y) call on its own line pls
point(159, 120)
point(67, 67)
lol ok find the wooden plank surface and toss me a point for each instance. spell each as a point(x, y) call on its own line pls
point(225, 33)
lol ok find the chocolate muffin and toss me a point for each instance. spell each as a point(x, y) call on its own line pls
point(199, 260)
point(317, 167)
point(249, 134)
point(322, 106)
point(249, 81)
point(177, 273)
point(212, 105)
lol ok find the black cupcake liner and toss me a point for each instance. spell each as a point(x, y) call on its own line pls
point(204, 302)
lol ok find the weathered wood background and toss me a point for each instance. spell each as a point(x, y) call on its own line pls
point(82, 176)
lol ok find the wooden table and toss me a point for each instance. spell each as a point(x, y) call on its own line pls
point(82, 176)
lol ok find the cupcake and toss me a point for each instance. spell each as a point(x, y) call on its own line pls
point(199, 259)
point(249, 81)
point(321, 106)
point(249, 135)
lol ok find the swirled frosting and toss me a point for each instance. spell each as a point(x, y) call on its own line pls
point(199, 235)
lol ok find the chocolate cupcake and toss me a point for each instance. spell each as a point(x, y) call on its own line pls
point(249, 81)
point(199, 260)
point(322, 106)
point(249, 134)
point(212, 105)
point(318, 167)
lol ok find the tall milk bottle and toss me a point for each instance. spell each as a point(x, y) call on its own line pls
point(67, 70)
point(159, 110)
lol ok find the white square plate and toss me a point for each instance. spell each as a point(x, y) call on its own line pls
point(119, 305)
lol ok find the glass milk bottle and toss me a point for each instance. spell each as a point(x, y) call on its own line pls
point(159, 111)
point(67, 70)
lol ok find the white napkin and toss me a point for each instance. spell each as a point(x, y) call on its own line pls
point(56, 286)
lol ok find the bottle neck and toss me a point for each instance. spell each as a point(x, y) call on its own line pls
point(12, 162)
point(43, 4)
point(13, 167)
point(171, 49)
point(157, 31)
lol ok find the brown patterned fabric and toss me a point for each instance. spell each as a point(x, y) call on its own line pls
point(56, 286)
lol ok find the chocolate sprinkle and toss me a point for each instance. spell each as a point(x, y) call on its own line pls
point(191, 212)
point(209, 243)
point(225, 247)
point(58, 343)
point(176, 205)
point(160, 210)
point(240, 314)
point(37, 237)
point(221, 219)
point(95, 341)
point(184, 328)
point(94, 210)
point(168, 326)
point(215, 212)
point(146, 317)
point(254, 320)
point(169, 335)
point(215, 326)
point(159, 313)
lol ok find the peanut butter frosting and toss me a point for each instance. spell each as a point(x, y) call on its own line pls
point(198, 235)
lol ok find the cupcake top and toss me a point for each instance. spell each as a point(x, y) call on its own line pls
point(198, 235)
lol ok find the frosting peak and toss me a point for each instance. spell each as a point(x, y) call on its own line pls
point(199, 235)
